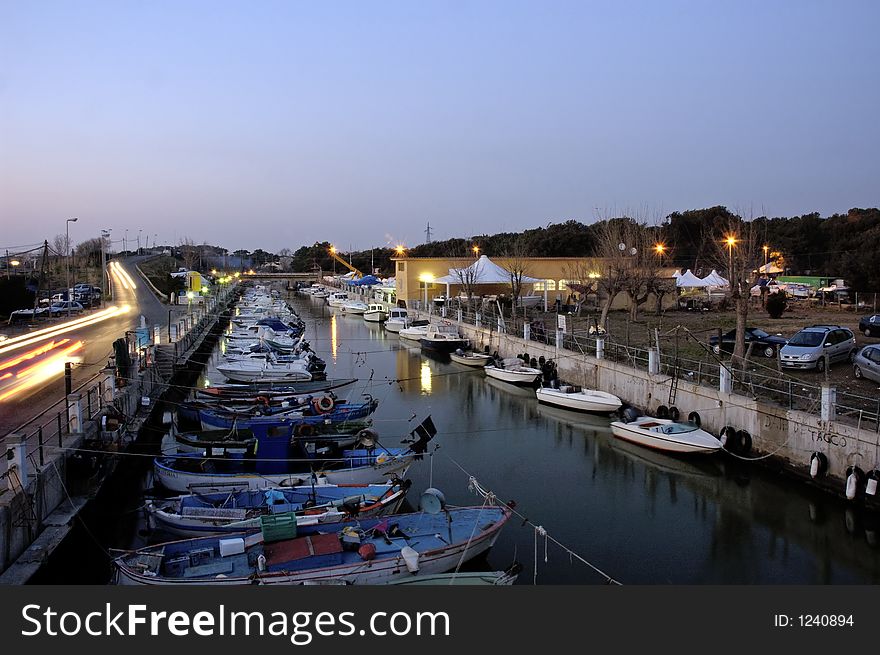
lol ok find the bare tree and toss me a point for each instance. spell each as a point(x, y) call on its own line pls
point(466, 276)
point(735, 245)
point(582, 276)
point(189, 253)
point(641, 263)
point(613, 252)
point(517, 263)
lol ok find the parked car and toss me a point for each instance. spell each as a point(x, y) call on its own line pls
point(866, 363)
point(765, 344)
point(60, 308)
point(870, 325)
point(807, 348)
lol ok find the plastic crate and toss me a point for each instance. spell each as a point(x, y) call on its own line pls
point(278, 527)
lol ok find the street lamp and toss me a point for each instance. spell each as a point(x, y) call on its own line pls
point(426, 279)
point(399, 250)
point(731, 242)
point(766, 268)
point(105, 234)
point(660, 248)
point(67, 241)
point(476, 250)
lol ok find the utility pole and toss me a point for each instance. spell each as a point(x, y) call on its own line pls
point(105, 289)
point(7, 264)
point(428, 233)
point(67, 231)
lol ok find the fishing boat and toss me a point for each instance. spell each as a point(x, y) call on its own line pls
point(582, 400)
point(272, 390)
point(666, 435)
point(513, 371)
point(323, 410)
point(443, 338)
point(475, 360)
point(376, 313)
point(275, 468)
point(398, 319)
point(464, 578)
point(415, 331)
point(200, 514)
point(355, 307)
point(367, 551)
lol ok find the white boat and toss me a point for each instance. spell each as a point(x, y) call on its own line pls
point(320, 293)
point(398, 319)
point(354, 307)
point(337, 299)
point(666, 435)
point(443, 338)
point(259, 370)
point(512, 370)
point(415, 331)
point(376, 313)
point(477, 360)
point(584, 400)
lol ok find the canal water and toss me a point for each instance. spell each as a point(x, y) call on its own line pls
point(640, 516)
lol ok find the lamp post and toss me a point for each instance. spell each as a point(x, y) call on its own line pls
point(766, 267)
point(125, 240)
point(731, 242)
point(139, 241)
point(476, 250)
point(105, 234)
point(67, 242)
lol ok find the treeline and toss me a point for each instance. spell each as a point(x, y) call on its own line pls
point(842, 245)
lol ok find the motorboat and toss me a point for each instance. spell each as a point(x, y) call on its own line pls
point(415, 331)
point(475, 360)
point(260, 370)
point(583, 400)
point(376, 313)
point(337, 299)
point(513, 370)
point(666, 435)
point(444, 338)
point(398, 319)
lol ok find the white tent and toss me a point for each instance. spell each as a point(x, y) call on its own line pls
point(770, 268)
point(715, 280)
point(677, 274)
point(482, 271)
point(689, 280)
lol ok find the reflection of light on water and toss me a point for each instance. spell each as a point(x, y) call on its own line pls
point(207, 383)
point(426, 377)
point(223, 346)
point(333, 342)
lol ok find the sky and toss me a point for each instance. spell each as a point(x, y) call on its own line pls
point(278, 124)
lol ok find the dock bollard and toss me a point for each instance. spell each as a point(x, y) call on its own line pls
point(828, 402)
point(74, 402)
point(725, 380)
point(600, 348)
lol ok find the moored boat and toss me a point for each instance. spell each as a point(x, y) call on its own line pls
point(666, 435)
point(513, 371)
point(398, 319)
point(476, 360)
point(201, 514)
point(583, 400)
point(443, 338)
point(368, 551)
point(376, 313)
point(415, 331)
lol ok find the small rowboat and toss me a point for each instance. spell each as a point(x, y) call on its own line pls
point(583, 400)
point(513, 371)
point(476, 360)
point(666, 435)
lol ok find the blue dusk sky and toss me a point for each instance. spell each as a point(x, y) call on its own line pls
point(277, 124)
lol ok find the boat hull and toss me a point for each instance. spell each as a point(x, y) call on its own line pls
point(580, 402)
point(660, 442)
point(521, 378)
point(375, 317)
point(478, 361)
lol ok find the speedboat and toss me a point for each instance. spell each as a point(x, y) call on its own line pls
point(513, 371)
point(584, 400)
point(415, 331)
point(257, 370)
point(666, 435)
point(376, 313)
point(443, 338)
point(398, 319)
point(476, 360)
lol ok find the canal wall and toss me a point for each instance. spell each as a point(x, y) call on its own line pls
point(781, 437)
point(46, 486)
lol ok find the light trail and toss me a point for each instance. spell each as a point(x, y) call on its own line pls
point(32, 353)
point(123, 276)
point(63, 328)
point(41, 372)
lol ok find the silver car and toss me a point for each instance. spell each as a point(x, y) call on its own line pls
point(807, 348)
point(867, 363)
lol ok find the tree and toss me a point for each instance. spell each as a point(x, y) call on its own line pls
point(735, 245)
point(516, 255)
point(465, 274)
point(189, 253)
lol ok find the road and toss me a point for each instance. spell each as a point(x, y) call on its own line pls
point(97, 343)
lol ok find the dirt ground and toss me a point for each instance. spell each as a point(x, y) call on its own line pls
point(689, 332)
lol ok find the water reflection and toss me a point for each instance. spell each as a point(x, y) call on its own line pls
point(334, 338)
point(425, 377)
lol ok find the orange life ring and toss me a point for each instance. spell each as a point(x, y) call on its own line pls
point(325, 404)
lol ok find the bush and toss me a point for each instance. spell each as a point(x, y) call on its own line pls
point(776, 304)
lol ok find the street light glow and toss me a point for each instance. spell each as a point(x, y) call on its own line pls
point(730, 241)
point(333, 250)
point(399, 249)
point(659, 248)
point(476, 250)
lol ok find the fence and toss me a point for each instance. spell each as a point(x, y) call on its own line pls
point(764, 384)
